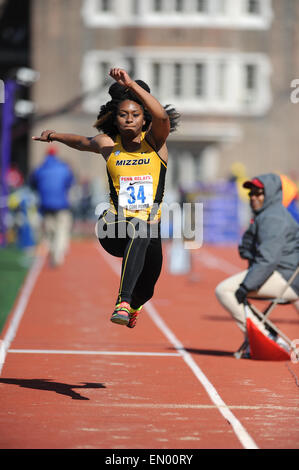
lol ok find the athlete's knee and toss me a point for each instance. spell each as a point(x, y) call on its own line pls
point(112, 247)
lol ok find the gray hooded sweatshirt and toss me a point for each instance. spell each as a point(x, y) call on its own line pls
point(271, 242)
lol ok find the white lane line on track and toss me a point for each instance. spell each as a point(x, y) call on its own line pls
point(193, 406)
point(91, 353)
point(21, 306)
point(215, 262)
point(241, 433)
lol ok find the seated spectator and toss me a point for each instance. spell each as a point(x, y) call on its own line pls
point(271, 247)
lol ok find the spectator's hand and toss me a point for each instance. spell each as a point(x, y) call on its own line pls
point(45, 136)
point(121, 77)
point(241, 294)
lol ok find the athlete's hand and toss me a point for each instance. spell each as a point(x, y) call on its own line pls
point(45, 136)
point(121, 77)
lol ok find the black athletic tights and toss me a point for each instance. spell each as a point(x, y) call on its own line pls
point(139, 245)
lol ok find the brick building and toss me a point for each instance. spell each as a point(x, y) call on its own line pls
point(226, 65)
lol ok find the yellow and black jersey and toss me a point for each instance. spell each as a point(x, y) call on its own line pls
point(136, 181)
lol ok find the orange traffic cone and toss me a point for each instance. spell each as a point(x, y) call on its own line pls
point(262, 347)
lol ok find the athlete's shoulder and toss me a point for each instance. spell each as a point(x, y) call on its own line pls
point(104, 144)
point(103, 140)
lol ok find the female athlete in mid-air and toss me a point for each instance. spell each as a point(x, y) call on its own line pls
point(133, 127)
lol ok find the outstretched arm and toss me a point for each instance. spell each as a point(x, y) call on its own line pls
point(160, 127)
point(99, 144)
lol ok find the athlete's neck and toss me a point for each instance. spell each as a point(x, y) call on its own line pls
point(131, 145)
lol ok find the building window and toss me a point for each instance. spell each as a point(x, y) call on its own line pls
point(251, 84)
point(201, 6)
point(157, 5)
point(179, 5)
point(199, 89)
point(178, 80)
point(251, 77)
point(235, 14)
point(104, 5)
point(156, 76)
point(135, 8)
point(195, 81)
point(254, 7)
point(103, 72)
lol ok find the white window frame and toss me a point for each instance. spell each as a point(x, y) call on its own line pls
point(94, 84)
point(234, 98)
point(231, 14)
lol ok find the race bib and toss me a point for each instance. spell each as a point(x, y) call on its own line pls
point(136, 192)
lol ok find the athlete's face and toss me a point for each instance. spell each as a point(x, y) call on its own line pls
point(130, 118)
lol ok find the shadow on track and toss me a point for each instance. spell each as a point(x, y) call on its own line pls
point(207, 352)
point(57, 387)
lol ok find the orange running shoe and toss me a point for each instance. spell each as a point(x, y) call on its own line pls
point(121, 314)
point(133, 317)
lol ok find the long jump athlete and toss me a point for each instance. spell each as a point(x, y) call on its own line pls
point(133, 127)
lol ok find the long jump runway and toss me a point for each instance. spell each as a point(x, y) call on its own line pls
point(71, 379)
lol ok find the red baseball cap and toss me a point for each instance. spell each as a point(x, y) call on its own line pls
point(254, 182)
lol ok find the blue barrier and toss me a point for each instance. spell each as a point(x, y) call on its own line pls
point(220, 212)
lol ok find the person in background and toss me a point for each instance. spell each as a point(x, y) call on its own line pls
point(238, 175)
point(52, 181)
point(271, 247)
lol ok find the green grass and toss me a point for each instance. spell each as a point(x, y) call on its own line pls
point(14, 265)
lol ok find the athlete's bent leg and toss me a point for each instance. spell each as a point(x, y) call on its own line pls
point(145, 285)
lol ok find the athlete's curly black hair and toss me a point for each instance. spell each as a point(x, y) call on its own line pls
point(106, 118)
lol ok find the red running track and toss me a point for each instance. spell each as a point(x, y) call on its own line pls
point(73, 380)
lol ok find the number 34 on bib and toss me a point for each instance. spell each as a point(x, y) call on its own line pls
point(136, 192)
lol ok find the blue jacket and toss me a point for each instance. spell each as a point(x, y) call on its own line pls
point(52, 180)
